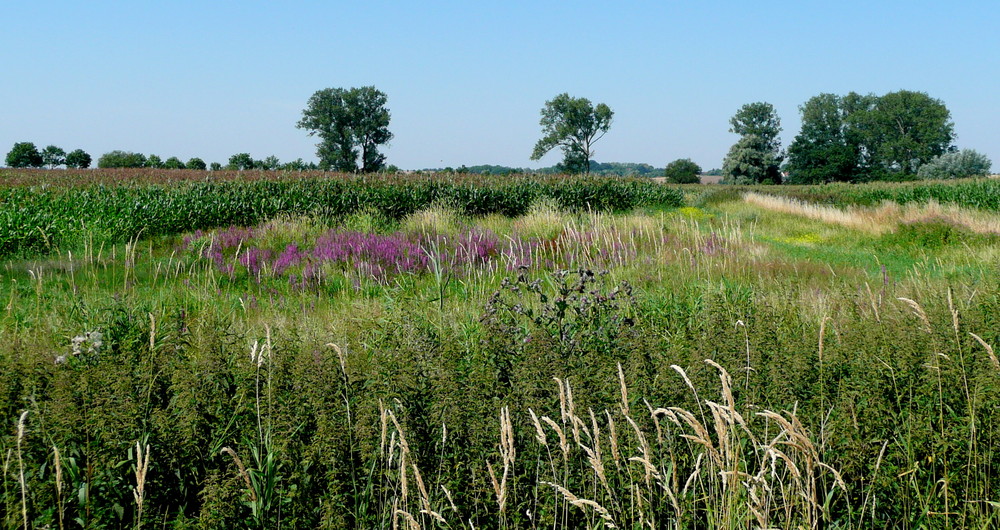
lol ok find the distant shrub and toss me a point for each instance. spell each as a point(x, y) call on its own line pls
point(196, 163)
point(964, 163)
point(683, 171)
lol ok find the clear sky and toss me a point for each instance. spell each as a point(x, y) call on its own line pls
point(466, 80)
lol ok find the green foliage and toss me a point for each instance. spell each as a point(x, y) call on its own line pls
point(241, 162)
point(758, 119)
point(24, 154)
point(756, 157)
point(906, 129)
point(173, 163)
point(78, 159)
point(960, 164)
point(215, 166)
point(53, 156)
point(857, 138)
point(750, 162)
point(573, 124)
point(195, 163)
point(349, 122)
point(154, 162)
point(121, 159)
point(821, 152)
point(682, 171)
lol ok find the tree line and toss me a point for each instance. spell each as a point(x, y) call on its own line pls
point(854, 138)
point(897, 136)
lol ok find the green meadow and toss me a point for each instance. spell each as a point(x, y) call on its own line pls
point(522, 352)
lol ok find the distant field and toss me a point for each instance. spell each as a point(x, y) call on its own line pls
point(375, 352)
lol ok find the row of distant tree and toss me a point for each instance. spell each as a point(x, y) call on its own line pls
point(27, 155)
point(897, 136)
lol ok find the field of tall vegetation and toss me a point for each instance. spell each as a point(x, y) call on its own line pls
point(597, 355)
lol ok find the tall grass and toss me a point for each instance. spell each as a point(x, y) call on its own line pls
point(571, 393)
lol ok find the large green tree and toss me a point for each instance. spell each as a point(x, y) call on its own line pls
point(24, 154)
point(822, 151)
point(241, 162)
point(351, 124)
point(904, 130)
point(78, 158)
point(53, 156)
point(756, 157)
point(573, 124)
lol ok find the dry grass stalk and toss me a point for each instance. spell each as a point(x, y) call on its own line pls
point(20, 463)
point(989, 350)
point(507, 453)
point(539, 432)
point(563, 442)
point(624, 389)
point(425, 499)
point(59, 484)
point(242, 470)
point(141, 471)
point(609, 521)
point(919, 311)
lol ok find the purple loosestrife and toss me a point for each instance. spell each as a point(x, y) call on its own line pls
point(291, 257)
point(253, 259)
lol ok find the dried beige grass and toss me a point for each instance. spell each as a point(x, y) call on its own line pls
point(883, 218)
point(242, 471)
point(20, 463)
point(141, 472)
point(856, 218)
point(989, 350)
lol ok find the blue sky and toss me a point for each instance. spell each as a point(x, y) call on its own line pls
point(466, 80)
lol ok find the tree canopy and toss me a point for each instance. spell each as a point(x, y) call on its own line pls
point(682, 171)
point(24, 154)
point(756, 157)
point(78, 158)
point(824, 150)
point(573, 124)
point(868, 137)
point(121, 159)
point(53, 156)
point(351, 124)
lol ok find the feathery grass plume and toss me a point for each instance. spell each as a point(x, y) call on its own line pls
point(507, 454)
point(609, 521)
point(242, 471)
point(918, 311)
point(989, 350)
point(20, 464)
point(59, 483)
point(425, 500)
point(539, 432)
point(563, 442)
point(141, 472)
point(624, 390)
